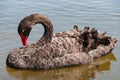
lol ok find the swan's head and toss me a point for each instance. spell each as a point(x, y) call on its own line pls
point(24, 31)
point(26, 24)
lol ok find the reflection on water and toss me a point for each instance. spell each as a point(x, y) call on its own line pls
point(82, 72)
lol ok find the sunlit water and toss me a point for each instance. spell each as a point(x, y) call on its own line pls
point(103, 15)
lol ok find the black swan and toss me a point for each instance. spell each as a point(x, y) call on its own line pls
point(62, 49)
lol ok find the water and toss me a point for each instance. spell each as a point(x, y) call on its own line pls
point(103, 15)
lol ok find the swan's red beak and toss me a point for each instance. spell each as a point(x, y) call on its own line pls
point(24, 39)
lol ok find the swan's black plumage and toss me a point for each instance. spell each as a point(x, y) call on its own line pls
point(66, 48)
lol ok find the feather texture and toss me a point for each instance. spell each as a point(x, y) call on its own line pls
point(66, 48)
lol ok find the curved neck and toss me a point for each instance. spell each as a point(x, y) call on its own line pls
point(33, 19)
point(48, 28)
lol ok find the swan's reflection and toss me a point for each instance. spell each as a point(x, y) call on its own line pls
point(82, 72)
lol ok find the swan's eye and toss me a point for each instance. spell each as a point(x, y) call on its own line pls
point(26, 32)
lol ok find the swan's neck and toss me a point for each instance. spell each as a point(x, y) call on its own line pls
point(48, 28)
point(29, 21)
